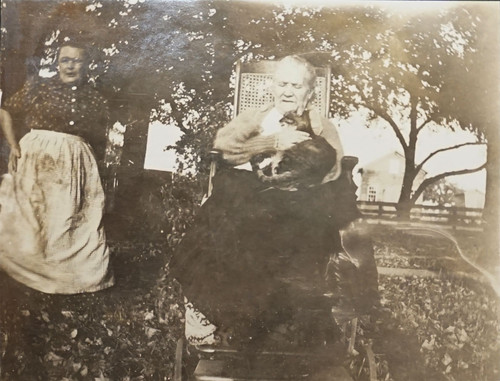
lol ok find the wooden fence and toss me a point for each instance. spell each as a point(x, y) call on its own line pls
point(455, 217)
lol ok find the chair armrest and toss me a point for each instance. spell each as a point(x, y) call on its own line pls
point(215, 160)
point(347, 165)
point(215, 155)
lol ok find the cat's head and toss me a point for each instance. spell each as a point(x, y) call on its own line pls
point(300, 123)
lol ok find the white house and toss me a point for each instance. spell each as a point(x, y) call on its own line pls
point(470, 198)
point(381, 179)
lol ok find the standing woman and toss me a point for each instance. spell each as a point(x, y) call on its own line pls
point(52, 200)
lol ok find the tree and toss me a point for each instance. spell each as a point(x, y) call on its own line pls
point(399, 74)
point(173, 61)
point(441, 193)
point(473, 94)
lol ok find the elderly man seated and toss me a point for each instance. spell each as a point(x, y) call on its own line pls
point(265, 230)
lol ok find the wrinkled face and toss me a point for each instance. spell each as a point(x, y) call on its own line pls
point(290, 88)
point(71, 63)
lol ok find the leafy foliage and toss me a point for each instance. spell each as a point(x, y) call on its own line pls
point(429, 328)
point(116, 334)
point(452, 342)
point(395, 65)
point(441, 193)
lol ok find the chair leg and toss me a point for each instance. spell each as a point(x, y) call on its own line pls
point(370, 356)
point(352, 339)
point(178, 360)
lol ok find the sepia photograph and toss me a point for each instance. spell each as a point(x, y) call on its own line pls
point(210, 190)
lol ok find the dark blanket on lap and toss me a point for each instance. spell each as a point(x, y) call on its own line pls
point(248, 241)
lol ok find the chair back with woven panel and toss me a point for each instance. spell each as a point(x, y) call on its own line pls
point(253, 86)
point(253, 90)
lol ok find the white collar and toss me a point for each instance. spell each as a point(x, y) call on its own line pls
point(271, 122)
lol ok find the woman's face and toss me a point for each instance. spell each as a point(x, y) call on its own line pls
point(71, 64)
point(290, 88)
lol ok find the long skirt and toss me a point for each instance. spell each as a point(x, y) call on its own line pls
point(51, 208)
point(251, 248)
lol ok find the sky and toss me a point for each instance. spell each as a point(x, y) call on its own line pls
point(159, 137)
point(365, 143)
point(378, 140)
point(371, 143)
point(402, 6)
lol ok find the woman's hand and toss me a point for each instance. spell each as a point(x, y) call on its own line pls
point(287, 138)
point(15, 154)
point(10, 136)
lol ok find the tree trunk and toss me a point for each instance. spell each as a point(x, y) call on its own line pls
point(492, 199)
point(405, 202)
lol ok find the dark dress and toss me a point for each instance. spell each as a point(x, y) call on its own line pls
point(250, 246)
point(51, 233)
point(49, 104)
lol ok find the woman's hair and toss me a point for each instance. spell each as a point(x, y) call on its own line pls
point(310, 70)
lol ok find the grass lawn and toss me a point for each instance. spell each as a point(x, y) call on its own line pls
point(450, 324)
point(117, 334)
point(430, 328)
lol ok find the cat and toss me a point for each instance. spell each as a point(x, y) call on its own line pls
point(302, 166)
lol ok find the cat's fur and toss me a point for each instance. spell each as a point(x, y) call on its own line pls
point(302, 166)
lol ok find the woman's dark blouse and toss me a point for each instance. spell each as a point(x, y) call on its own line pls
point(55, 106)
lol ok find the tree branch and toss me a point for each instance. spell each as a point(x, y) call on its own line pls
point(395, 128)
point(429, 119)
point(384, 115)
point(412, 138)
point(433, 179)
point(419, 167)
point(178, 117)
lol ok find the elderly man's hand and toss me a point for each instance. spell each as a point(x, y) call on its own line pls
point(287, 138)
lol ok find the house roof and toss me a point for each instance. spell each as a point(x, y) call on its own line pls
point(374, 163)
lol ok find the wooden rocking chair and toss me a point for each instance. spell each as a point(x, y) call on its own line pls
point(252, 90)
